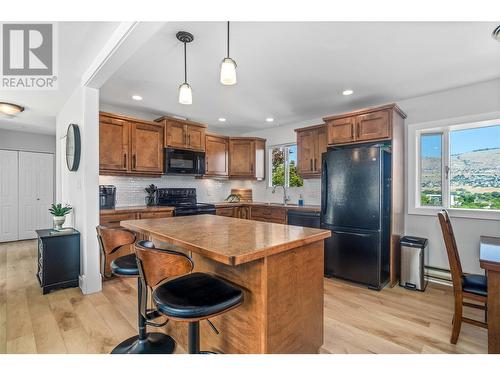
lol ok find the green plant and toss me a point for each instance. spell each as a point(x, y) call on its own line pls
point(59, 210)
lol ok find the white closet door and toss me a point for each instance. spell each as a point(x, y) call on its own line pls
point(8, 196)
point(36, 192)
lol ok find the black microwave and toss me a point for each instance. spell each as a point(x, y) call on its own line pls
point(184, 162)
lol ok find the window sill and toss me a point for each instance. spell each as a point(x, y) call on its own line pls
point(457, 212)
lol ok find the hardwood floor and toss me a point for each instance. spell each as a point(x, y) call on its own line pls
point(357, 320)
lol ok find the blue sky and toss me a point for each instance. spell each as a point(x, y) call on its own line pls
point(462, 141)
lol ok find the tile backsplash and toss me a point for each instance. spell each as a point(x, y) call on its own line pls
point(130, 190)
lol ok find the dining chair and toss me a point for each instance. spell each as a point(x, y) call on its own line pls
point(465, 286)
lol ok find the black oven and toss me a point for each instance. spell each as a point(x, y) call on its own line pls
point(184, 162)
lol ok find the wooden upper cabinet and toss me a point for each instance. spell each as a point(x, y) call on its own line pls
point(196, 137)
point(366, 125)
point(311, 143)
point(216, 155)
point(306, 151)
point(175, 135)
point(129, 146)
point(147, 148)
point(341, 130)
point(114, 139)
point(183, 134)
point(247, 157)
point(375, 125)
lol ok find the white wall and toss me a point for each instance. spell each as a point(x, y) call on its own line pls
point(24, 141)
point(80, 188)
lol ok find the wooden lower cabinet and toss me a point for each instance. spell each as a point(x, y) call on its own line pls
point(226, 211)
point(113, 219)
point(268, 214)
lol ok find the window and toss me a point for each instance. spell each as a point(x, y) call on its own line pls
point(431, 189)
point(459, 167)
point(283, 166)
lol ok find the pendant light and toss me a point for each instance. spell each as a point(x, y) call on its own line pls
point(185, 93)
point(228, 66)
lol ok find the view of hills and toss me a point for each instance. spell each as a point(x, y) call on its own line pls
point(474, 179)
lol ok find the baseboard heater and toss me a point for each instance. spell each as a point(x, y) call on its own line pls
point(438, 275)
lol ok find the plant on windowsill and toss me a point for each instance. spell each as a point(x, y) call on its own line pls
point(59, 213)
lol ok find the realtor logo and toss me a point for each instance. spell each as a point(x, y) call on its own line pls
point(28, 56)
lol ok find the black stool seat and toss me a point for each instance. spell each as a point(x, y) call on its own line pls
point(196, 295)
point(476, 284)
point(125, 266)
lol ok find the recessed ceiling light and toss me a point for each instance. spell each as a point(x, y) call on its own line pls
point(222, 119)
point(136, 97)
point(269, 119)
point(10, 108)
point(347, 92)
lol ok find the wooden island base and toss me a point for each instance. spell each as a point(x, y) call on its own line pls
point(282, 310)
point(279, 267)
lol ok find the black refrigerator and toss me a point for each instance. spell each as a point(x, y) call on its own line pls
point(356, 206)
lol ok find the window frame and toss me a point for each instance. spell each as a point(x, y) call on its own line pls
point(287, 165)
point(443, 127)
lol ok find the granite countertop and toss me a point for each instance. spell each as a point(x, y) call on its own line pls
point(227, 240)
point(307, 207)
point(125, 209)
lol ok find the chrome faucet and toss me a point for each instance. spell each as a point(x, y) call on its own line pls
point(286, 198)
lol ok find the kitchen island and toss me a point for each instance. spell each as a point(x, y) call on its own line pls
point(279, 267)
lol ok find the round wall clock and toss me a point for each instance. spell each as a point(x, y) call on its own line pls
point(73, 147)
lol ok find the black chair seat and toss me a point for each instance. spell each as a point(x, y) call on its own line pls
point(196, 295)
point(476, 284)
point(125, 266)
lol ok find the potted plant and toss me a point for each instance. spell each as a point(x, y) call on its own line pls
point(151, 197)
point(59, 213)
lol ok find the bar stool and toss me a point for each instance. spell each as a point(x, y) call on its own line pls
point(191, 297)
point(113, 241)
point(126, 266)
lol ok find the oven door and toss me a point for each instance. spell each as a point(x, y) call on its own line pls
point(184, 162)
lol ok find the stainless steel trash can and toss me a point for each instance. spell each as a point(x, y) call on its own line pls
point(412, 263)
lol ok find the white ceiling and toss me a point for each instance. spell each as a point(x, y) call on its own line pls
point(79, 43)
point(296, 71)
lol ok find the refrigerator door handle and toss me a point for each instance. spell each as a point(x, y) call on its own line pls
point(324, 182)
point(352, 233)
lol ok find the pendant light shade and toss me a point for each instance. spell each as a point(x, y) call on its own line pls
point(228, 72)
point(228, 66)
point(185, 92)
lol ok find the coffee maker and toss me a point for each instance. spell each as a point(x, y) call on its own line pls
point(107, 196)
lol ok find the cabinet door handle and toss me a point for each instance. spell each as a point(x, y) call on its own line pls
point(311, 164)
point(189, 139)
point(124, 160)
point(315, 164)
point(357, 130)
point(251, 167)
point(134, 161)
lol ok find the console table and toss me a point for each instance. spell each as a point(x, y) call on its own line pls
point(58, 258)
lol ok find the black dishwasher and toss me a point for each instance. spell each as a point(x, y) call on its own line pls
point(303, 218)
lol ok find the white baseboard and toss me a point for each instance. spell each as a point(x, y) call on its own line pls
point(85, 286)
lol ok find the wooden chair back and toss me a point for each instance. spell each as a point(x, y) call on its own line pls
point(111, 240)
point(451, 250)
point(157, 265)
